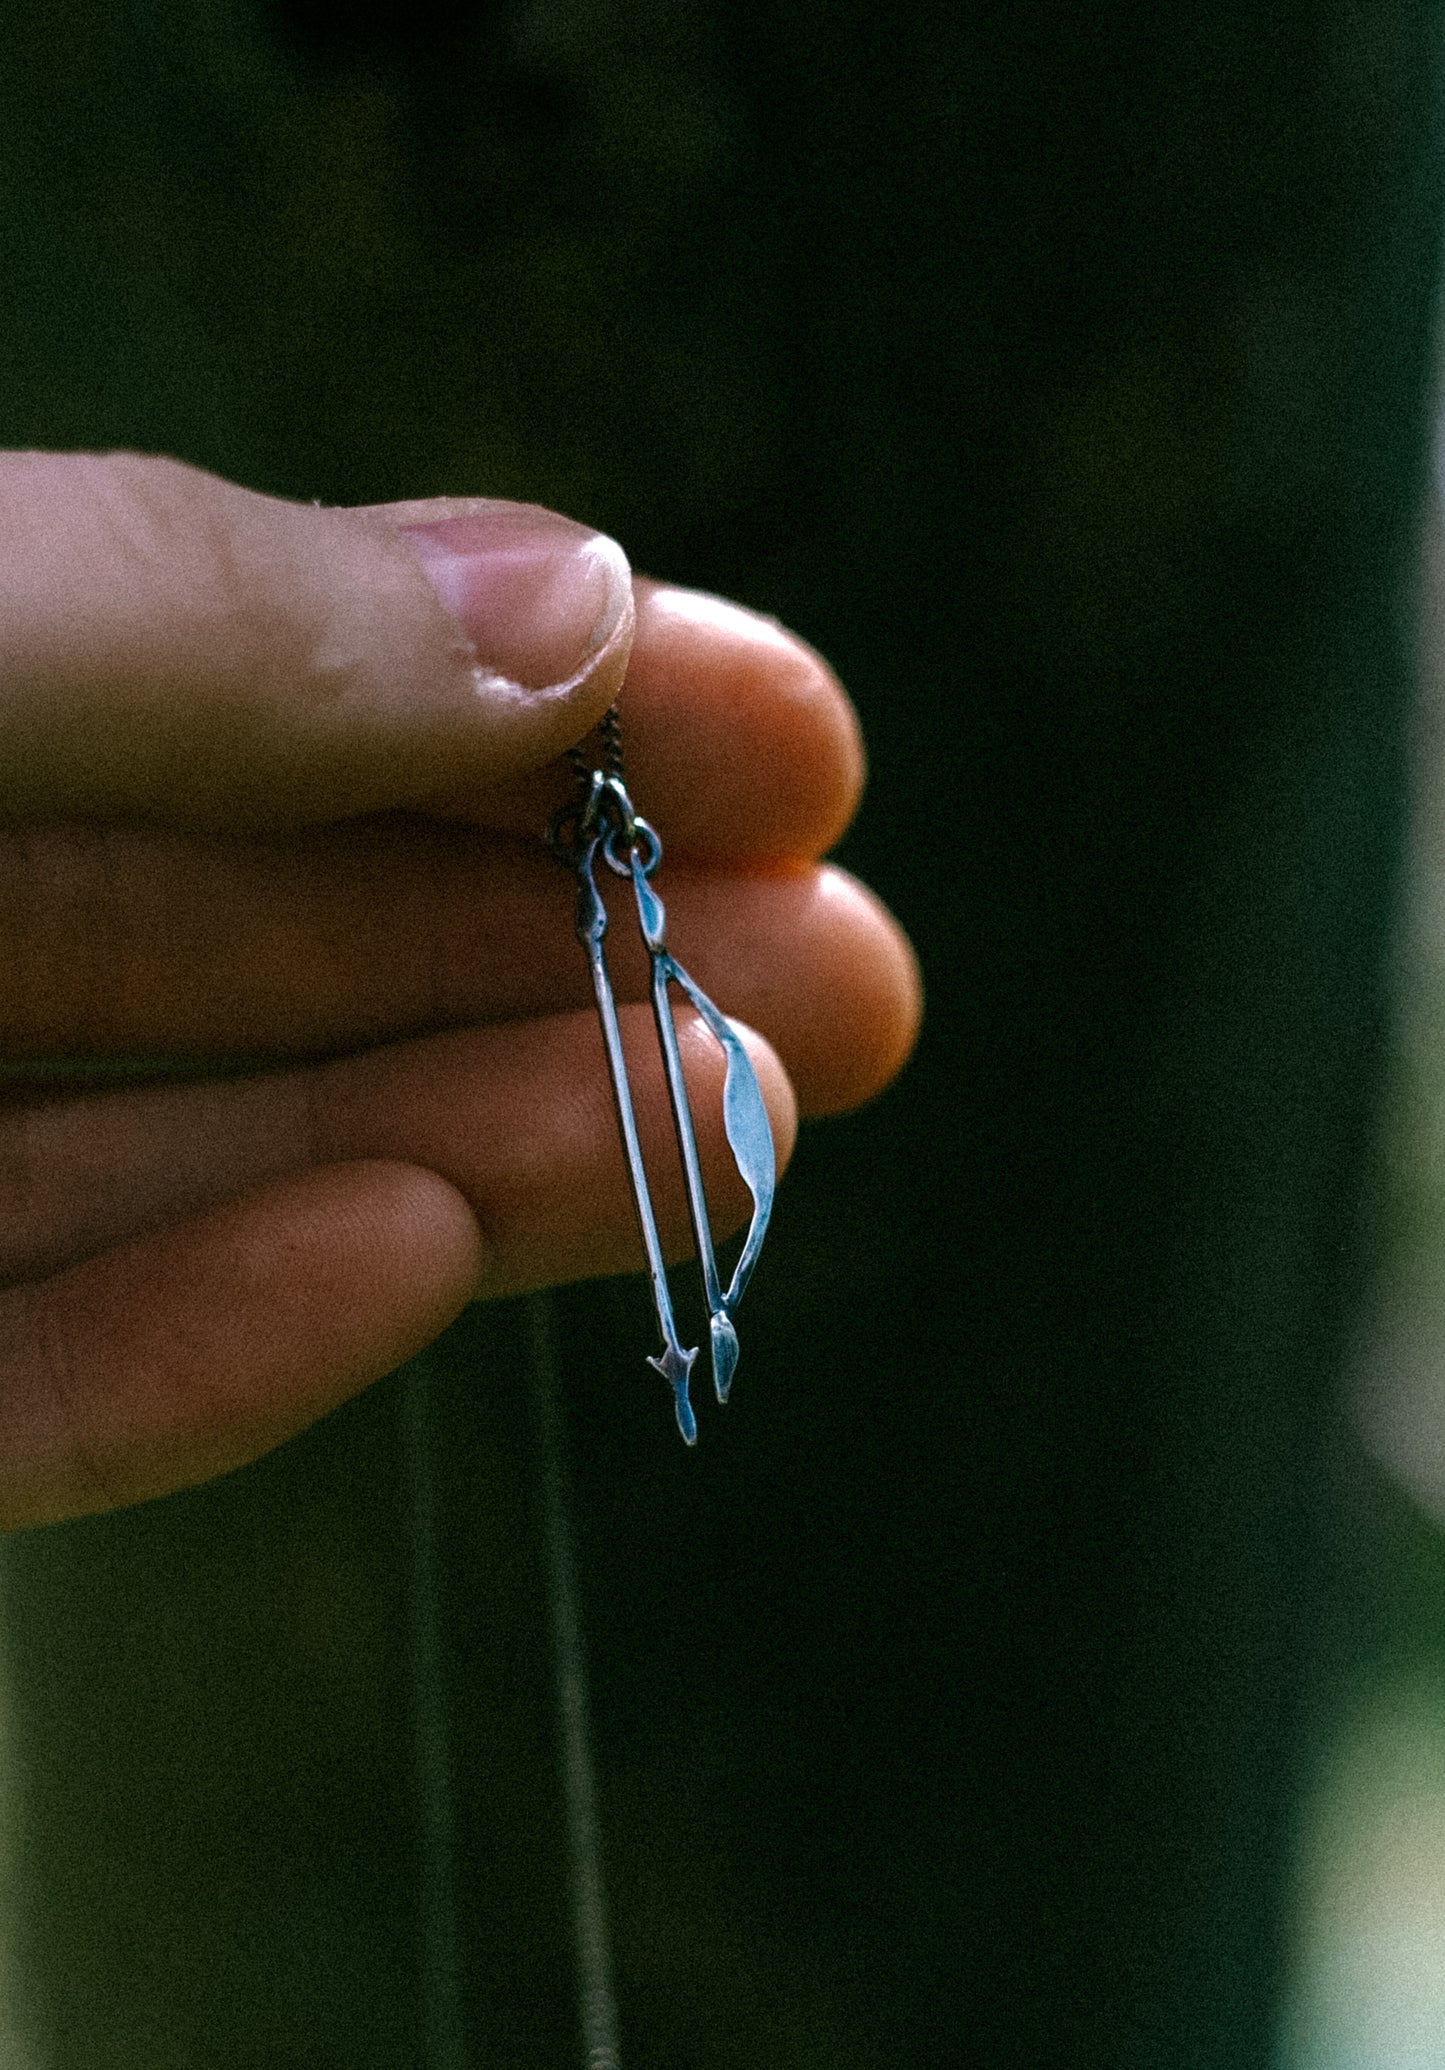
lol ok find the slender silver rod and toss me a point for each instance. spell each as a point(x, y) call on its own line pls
point(653, 920)
point(627, 1122)
point(723, 1337)
point(675, 1364)
point(686, 1137)
point(596, 1999)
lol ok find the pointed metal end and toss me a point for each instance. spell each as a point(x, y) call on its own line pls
point(675, 1365)
point(724, 1353)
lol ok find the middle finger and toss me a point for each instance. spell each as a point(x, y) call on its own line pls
point(126, 943)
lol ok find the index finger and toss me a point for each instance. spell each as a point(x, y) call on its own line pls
point(741, 746)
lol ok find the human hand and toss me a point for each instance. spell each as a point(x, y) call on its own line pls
point(270, 804)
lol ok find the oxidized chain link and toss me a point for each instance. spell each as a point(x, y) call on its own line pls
point(610, 727)
point(602, 810)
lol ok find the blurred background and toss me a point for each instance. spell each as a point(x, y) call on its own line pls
point(1041, 1662)
point(1365, 1984)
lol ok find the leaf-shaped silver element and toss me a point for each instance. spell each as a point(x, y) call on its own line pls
point(749, 1132)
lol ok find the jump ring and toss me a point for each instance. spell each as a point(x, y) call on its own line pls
point(644, 838)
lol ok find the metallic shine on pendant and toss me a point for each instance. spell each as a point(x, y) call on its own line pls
point(603, 823)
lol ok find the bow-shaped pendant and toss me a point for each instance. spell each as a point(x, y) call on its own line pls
point(604, 823)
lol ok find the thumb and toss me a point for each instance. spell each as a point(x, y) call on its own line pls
point(178, 650)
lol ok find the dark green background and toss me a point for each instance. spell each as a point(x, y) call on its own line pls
point(1062, 372)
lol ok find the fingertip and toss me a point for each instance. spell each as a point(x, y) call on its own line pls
point(409, 1233)
point(186, 1354)
point(841, 1060)
point(536, 613)
point(545, 606)
point(713, 689)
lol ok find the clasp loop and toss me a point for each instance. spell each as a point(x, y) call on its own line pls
point(605, 816)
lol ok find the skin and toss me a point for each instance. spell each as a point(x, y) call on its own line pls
point(376, 1089)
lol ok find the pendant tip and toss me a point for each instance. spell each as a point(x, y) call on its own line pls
point(724, 1352)
point(675, 1366)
